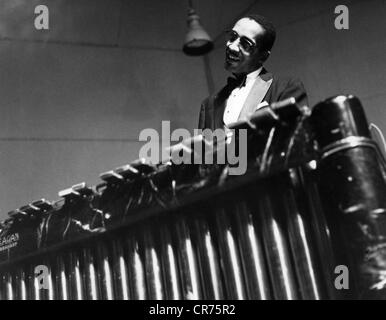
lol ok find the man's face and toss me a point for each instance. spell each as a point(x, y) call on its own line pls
point(242, 54)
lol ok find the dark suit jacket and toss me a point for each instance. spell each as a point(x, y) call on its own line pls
point(212, 108)
point(292, 140)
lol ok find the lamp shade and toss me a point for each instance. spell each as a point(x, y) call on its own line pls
point(197, 40)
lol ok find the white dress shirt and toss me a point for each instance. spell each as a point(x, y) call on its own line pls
point(237, 98)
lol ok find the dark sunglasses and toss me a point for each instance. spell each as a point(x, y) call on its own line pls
point(245, 43)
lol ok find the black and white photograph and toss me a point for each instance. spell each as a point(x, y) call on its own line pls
point(206, 151)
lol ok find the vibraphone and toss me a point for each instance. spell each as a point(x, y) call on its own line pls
point(188, 232)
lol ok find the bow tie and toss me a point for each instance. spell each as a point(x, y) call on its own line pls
point(235, 82)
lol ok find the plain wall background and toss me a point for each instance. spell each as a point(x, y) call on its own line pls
point(74, 99)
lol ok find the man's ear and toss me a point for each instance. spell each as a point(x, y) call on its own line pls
point(264, 56)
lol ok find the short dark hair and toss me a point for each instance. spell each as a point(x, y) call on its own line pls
point(267, 39)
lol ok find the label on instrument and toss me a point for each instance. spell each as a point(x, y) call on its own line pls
point(9, 241)
point(18, 240)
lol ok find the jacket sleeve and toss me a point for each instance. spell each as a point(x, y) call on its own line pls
point(295, 88)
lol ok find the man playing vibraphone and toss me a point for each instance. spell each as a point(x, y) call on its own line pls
point(248, 46)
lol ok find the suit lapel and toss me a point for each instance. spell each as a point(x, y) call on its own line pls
point(257, 94)
point(258, 91)
point(219, 103)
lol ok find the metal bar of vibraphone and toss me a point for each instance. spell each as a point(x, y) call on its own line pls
point(320, 229)
point(251, 253)
point(135, 269)
point(119, 270)
point(12, 287)
point(75, 276)
point(229, 255)
point(208, 257)
point(61, 278)
point(302, 239)
point(33, 290)
point(9, 288)
point(154, 279)
point(2, 287)
point(277, 249)
point(88, 265)
point(106, 284)
point(49, 292)
point(169, 264)
point(29, 282)
point(187, 260)
point(20, 284)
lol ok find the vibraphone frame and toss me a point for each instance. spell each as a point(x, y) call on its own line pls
point(278, 236)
